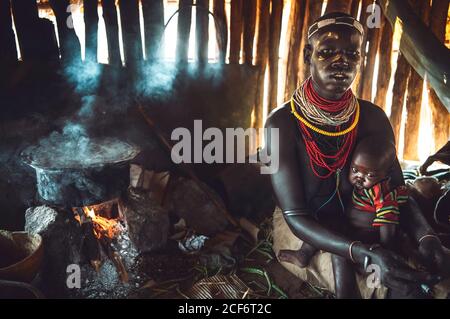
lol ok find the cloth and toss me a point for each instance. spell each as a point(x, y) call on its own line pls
point(319, 273)
point(381, 201)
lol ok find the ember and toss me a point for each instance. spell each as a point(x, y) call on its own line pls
point(101, 224)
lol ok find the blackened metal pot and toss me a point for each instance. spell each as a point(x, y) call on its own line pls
point(69, 178)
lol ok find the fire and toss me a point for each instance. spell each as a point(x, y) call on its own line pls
point(102, 226)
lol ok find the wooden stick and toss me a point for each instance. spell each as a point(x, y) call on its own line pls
point(112, 31)
point(364, 15)
point(414, 98)
point(274, 49)
point(249, 12)
point(184, 30)
point(384, 66)
point(439, 114)
point(236, 31)
point(201, 31)
point(262, 40)
point(153, 12)
point(25, 19)
point(261, 59)
point(8, 51)
point(131, 31)
point(184, 166)
point(295, 26)
point(90, 29)
point(338, 6)
point(313, 11)
point(400, 84)
point(221, 28)
point(69, 45)
point(354, 8)
point(365, 89)
point(425, 53)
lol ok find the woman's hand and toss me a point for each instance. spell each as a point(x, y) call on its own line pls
point(396, 274)
point(434, 257)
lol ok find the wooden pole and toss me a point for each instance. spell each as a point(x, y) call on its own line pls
point(25, 19)
point(184, 30)
point(8, 50)
point(372, 39)
point(364, 15)
point(276, 17)
point(131, 31)
point(426, 54)
point(112, 31)
point(249, 10)
point(400, 85)
point(313, 11)
point(354, 8)
point(201, 31)
point(295, 26)
point(414, 98)
point(236, 31)
point(338, 6)
point(261, 58)
point(153, 12)
point(221, 28)
point(384, 65)
point(90, 30)
point(439, 114)
point(69, 45)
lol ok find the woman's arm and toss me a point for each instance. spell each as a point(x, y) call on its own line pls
point(289, 192)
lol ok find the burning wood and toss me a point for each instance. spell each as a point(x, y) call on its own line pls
point(99, 232)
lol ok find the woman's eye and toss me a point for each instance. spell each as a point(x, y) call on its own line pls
point(370, 175)
point(353, 53)
point(326, 52)
point(354, 170)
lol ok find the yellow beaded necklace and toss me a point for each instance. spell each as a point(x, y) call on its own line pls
point(323, 132)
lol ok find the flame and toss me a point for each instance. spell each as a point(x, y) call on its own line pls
point(102, 226)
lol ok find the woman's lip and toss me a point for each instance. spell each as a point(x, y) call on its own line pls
point(339, 76)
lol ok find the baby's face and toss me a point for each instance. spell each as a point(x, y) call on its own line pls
point(365, 172)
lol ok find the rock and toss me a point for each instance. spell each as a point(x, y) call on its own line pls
point(188, 201)
point(148, 222)
point(62, 245)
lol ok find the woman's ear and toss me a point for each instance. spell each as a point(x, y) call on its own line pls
point(307, 52)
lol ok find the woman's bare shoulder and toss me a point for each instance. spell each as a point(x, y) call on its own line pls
point(280, 116)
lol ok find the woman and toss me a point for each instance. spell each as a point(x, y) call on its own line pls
point(318, 129)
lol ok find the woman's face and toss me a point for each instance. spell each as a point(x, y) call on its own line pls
point(334, 56)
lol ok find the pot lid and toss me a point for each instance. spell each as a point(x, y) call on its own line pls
point(79, 153)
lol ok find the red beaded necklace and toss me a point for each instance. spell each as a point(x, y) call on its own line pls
point(318, 158)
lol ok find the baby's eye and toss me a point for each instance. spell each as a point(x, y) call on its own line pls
point(354, 170)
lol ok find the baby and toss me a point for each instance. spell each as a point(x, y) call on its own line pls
point(373, 216)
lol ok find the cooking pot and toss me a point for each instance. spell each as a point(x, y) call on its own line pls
point(81, 174)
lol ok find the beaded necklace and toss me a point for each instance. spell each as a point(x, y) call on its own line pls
point(318, 157)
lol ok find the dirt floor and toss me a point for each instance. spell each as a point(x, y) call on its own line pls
point(229, 265)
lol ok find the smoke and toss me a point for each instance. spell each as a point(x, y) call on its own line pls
point(84, 76)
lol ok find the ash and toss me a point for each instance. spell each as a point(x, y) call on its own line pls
point(62, 246)
point(107, 283)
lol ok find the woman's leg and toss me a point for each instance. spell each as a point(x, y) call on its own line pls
point(344, 278)
point(301, 257)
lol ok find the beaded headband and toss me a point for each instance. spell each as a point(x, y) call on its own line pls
point(350, 21)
